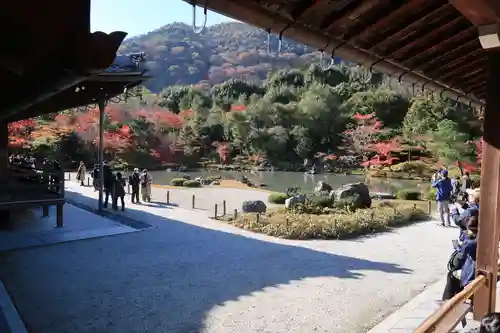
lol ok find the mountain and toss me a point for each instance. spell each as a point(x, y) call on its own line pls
point(177, 55)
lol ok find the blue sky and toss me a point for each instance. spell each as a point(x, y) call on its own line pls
point(141, 16)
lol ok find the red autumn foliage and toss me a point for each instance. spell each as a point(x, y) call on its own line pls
point(20, 133)
point(238, 108)
point(361, 136)
point(223, 151)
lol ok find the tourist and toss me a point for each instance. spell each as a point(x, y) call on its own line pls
point(135, 180)
point(109, 183)
point(96, 171)
point(146, 182)
point(80, 173)
point(489, 324)
point(443, 194)
point(460, 218)
point(119, 191)
point(463, 259)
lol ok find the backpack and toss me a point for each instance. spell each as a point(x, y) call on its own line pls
point(455, 261)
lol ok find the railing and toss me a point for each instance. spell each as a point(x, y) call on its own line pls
point(446, 318)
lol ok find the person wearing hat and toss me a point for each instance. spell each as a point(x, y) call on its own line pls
point(444, 189)
point(135, 180)
point(472, 206)
point(146, 182)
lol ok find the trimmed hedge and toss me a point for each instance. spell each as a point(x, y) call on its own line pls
point(408, 195)
point(213, 178)
point(177, 182)
point(277, 198)
point(192, 183)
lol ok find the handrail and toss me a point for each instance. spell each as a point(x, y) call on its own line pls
point(430, 324)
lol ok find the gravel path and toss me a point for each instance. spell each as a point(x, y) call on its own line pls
point(191, 274)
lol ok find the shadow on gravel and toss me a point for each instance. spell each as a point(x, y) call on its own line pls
point(163, 279)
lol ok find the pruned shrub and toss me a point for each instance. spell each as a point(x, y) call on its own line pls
point(211, 179)
point(192, 183)
point(406, 194)
point(277, 198)
point(431, 194)
point(177, 182)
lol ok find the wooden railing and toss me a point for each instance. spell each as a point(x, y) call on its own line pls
point(446, 318)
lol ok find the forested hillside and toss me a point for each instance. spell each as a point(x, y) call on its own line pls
point(219, 97)
point(176, 55)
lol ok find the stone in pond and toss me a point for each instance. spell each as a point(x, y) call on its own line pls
point(358, 190)
point(322, 187)
point(295, 200)
point(254, 206)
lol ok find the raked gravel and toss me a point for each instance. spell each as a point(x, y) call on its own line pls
point(192, 274)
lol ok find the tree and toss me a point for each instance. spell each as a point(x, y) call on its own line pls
point(447, 143)
point(360, 136)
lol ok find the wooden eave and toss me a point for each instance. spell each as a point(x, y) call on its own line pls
point(417, 41)
point(87, 92)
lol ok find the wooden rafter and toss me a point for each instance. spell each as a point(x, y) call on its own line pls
point(455, 64)
point(477, 63)
point(411, 28)
point(421, 43)
point(453, 51)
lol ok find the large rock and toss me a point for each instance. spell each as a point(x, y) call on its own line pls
point(322, 187)
point(295, 200)
point(254, 206)
point(351, 190)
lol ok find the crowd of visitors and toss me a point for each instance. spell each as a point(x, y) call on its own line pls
point(457, 202)
point(114, 184)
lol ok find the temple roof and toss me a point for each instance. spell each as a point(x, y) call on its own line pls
point(425, 43)
point(47, 48)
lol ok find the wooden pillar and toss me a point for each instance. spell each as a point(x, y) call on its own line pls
point(489, 213)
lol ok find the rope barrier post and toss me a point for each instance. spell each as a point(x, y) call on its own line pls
point(215, 211)
point(235, 214)
point(224, 208)
point(88, 181)
point(429, 206)
point(192, 201)
point(69, 176)
point(258, 217)
point(128, 188)
point(168, 197)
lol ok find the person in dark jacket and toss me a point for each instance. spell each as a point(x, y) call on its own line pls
point(463, 260)
point(119, 191)
point(135, 180)
point(460, 219)
point(109, 183)
point(95, 176)
point(469, 248)
point(443, 188)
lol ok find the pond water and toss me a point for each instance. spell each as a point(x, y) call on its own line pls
point(280, 180)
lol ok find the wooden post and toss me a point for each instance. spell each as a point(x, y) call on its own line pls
point(69, 176)
point(59, 215)
point(88, 181)
point(489, 212)
point(235, 213)
point(45, 211)
point(128, 188)
point(215, 212)
point(192, 201)
point(429, 207)
point(223, 207)
point(258, 217)
point(168, 197)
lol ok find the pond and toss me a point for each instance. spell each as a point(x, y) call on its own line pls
point(280, 180)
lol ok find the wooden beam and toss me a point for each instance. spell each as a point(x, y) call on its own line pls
point(459, 61)
point(436, 15)
point(479, 12)
point(394, 21)
point(489, 212)
point(479, 62)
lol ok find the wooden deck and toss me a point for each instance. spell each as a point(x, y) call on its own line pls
point(30, 188)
